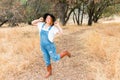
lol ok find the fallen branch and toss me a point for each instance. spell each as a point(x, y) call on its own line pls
point(3, 22)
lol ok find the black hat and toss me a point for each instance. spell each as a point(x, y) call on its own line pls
point(51, 15)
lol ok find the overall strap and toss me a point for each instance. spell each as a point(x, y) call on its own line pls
point(50, 28)
point(43, 25)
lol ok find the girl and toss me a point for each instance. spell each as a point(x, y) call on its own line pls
point(48, 29)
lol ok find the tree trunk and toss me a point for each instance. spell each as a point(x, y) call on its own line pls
point(91, 9)
point(95, 20)
point(66, 18)
point(90, 20)
point(82, 15)
point(73, 19)
point(62, 11)
point(3, 22)
point(79, 16)
point(62, 20)
point(76, 16)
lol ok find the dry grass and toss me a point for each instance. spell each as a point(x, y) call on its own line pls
point(95, 53)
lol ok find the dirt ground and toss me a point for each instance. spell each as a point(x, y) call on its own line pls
point(95, 53)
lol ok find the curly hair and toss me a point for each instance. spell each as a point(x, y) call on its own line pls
point(51, 15)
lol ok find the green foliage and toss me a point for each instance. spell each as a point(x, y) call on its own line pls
point(35, 9)
point(28, 10)
point(23, 2)
point(115, 9)
point(108, 11)
point(63, 1)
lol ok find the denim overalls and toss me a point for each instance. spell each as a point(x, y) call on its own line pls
point(48, 48)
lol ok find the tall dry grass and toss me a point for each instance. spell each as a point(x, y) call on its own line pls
point(19, 48)
point(95, 53)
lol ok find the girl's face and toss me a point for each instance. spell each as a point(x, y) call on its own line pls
point(49, 20)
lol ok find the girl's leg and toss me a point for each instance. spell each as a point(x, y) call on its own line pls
point(49, 71)
point(46, 57)
point(52, 52)
point(49, 67)
point(65, 53)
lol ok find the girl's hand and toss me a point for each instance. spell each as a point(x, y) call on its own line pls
point(57, 24)
point(41, 19)
point(34, 22)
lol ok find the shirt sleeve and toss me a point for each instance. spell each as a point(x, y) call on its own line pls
point(55, 30)
point(39, 25)
point(52, 33)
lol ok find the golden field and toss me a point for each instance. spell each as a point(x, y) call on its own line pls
point(95, 53)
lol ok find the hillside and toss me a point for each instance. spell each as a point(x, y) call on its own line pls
point(95, 53)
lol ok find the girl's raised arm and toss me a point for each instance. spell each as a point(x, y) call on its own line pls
point(34, 22)
point(58, 27)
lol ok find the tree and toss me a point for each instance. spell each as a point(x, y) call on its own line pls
point(36, 8)
point(16, 11)
point(95, 9)
point(64, 9)
point(10, 12)
point(78, 12)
